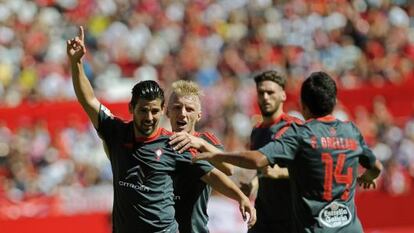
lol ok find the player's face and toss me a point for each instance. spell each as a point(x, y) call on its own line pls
point(184, 112)
point(147, 115)
point(270, 96)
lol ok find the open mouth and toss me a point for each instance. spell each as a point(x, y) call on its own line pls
point(181, 123)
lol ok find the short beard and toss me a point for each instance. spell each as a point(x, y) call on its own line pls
point(141, 131)
point(267, 113)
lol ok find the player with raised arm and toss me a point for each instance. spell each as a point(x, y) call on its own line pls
point(192, 194)
point(323, 156)
point(143, 163)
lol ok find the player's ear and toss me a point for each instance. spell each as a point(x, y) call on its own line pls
point(283, 96)
point(199, 116)
point(305, 111)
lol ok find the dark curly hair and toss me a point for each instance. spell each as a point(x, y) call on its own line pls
point(318, 93)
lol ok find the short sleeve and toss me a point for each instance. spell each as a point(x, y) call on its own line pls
point(197, 169)
point(107, 123)
point(367, 158)
point(282, 150)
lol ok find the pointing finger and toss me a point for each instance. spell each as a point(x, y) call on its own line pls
point(81, 33)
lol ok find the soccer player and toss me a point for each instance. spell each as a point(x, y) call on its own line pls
point(143, 163)
point(192, 194)
point(323, 156)
point(273, 203)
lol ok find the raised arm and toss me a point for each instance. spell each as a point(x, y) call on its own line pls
point(182, 141)
point(76, 49)
point(220, 182)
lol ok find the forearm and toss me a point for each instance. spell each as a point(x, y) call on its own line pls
point(220, 182)
point(375, 171)
point(84, 93)
point(226, 168)
point(82, 86)
point(245, 159)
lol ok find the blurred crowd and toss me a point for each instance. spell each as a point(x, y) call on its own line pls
point(214, 42)
point(217, 43)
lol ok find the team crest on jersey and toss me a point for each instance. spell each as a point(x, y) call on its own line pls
point(335, 215)
point(158, 154)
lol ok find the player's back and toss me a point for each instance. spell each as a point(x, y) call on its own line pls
point(325, 172)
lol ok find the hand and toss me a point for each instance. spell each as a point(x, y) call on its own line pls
point(182, 141)
point(275, 172)
point(246, 208)
point(366, 181)
point(75, 47)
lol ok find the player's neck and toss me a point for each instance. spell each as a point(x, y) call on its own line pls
point(191, 132)
point(276, 115)
point(140, 136)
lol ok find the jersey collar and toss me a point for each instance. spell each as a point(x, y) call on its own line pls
point(327, 118)
point(151, 137)
point(277, 120)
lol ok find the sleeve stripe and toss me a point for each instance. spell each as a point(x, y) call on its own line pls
point(193, 152)
point(282, 131)
point(212, 138)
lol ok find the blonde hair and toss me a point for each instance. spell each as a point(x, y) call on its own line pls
point(186, 88)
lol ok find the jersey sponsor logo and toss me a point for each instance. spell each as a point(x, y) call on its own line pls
point(135, 179)
point(335, 215)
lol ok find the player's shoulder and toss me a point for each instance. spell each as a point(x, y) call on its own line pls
point(351, 126)
point(165, 132)
point(209, 136)
point(107, 115)
point(292, 119)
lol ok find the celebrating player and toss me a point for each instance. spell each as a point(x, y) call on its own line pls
point(184, 111)
point(322, 156)
point(143, 162)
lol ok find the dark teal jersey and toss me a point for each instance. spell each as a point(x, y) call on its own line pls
point(192, 196)
point(323, 156)
point(143, 172)
point(273, 201)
